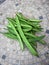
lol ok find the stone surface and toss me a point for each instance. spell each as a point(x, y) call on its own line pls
point(30, 8)
point(1, 1)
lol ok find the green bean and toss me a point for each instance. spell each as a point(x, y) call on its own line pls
point(20, 15)
point(36, 30)
point(31, 35)
point(26, 26)
point(36, 38)
point(34, 20)
point(10, 21)
point(11, 30)
point(26, 29)
point(32, 50)
point(9, 35)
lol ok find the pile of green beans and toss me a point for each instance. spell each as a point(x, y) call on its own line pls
point(24, 30)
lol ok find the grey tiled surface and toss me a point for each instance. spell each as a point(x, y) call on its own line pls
point(10, 52)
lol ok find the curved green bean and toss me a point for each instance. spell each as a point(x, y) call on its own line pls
point(10, 22)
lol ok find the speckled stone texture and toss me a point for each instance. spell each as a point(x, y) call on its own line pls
point(10, 52)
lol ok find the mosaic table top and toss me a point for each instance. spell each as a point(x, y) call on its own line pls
point(10, 52)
